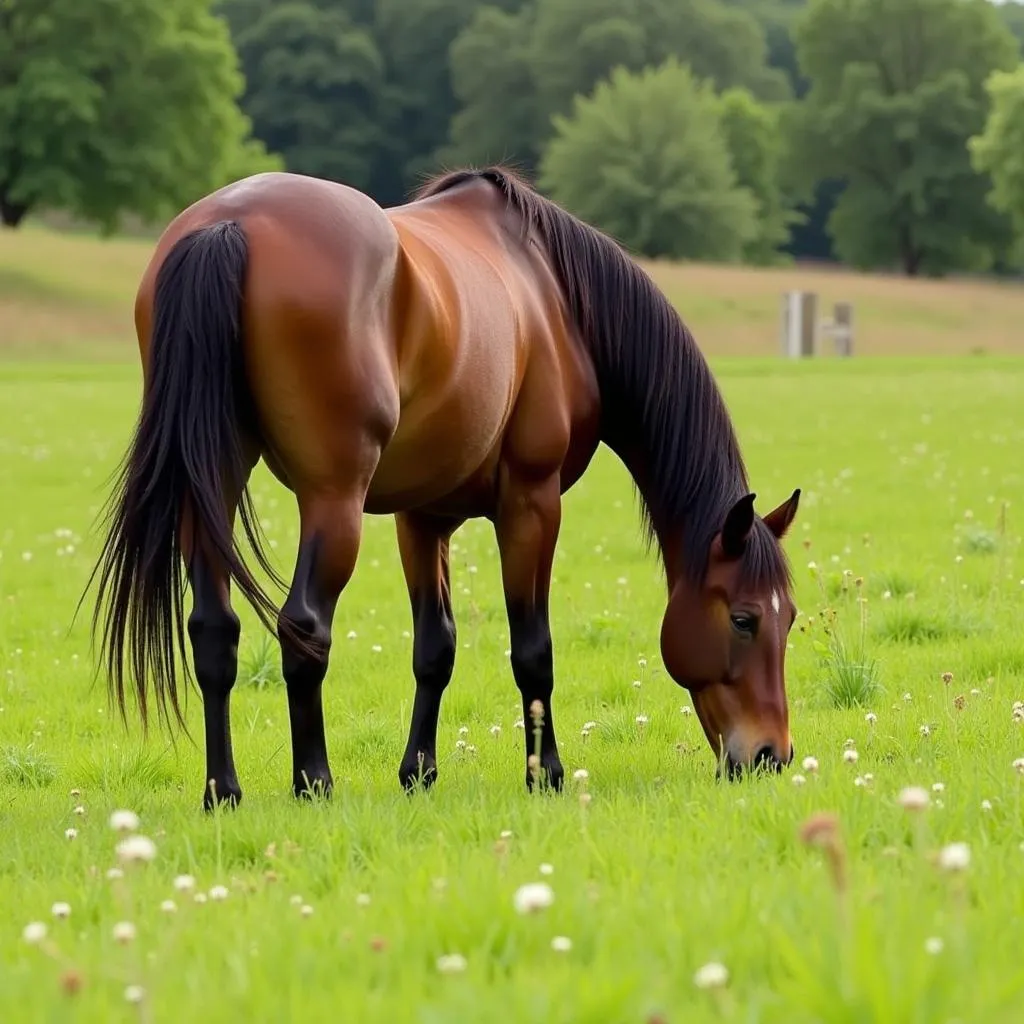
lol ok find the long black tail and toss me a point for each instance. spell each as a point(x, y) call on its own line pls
point(185, 453)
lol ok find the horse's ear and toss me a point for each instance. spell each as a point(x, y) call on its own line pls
point(738, 524)
point(780, 519)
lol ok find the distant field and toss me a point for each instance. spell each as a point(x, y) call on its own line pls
point(71, 295)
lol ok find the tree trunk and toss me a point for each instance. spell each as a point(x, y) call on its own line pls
point(12, 214)
point(910, 255)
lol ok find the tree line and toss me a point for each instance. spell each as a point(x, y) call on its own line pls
point(884, 133)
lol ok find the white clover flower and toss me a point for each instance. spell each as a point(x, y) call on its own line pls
point(61, 910)
point(933, 945)
point(34, 933)
point(184, 883)
point(124, 932)
point(810, 765)
point(134, 994)
point(914, 798)
point(532, 897)
point(547, 869)
point(850, 756)
point(561, 944)
point(451, 963)
point(71, 833)
point(219, 892)
point(124, 821)
point(955, 857)
point(581, 774)
point(136, 849)
point(711, 975)
point(798, 780)
point(168, 906)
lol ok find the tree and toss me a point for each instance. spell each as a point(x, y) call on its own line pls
point(751, 133)
point(897, 90)
point(524, 69)
point(117, 106)
point(998, 151)
point(644, 159)
point(314, 86)
point(493, 80)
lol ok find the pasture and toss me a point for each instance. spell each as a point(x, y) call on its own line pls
point(381, 906)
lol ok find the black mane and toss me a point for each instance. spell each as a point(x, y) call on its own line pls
point(659, 398)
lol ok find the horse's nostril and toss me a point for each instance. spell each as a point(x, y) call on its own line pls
point(766, 758)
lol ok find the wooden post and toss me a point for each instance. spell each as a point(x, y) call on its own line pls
point(842, 329)
point(799, 324)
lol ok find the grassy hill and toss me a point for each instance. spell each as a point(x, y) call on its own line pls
point(70, 295)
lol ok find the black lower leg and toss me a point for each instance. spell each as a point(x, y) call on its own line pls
point(433, 659)
point(309, 614)
point(214, 630)
point(533, 668)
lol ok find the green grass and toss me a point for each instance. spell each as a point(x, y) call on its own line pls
point(905, 468)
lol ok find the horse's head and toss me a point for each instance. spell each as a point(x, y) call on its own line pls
point(725, 639)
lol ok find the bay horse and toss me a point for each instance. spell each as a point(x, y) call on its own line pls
point(459, 356)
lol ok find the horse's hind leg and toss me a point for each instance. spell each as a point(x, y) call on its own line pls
point(213, 630)
point(423, 545)
point(331, 528)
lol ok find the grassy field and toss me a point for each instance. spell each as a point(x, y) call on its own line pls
point(912, 482)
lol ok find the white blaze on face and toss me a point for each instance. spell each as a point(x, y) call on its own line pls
point(776, 602)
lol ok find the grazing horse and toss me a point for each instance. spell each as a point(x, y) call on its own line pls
point(459, 356)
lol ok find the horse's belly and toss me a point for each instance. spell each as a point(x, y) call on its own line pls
point(445, 451)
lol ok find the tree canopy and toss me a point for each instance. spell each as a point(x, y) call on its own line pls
point(842, 127)
point(118, 105)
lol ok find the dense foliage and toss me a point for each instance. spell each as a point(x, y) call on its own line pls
point(806, 127)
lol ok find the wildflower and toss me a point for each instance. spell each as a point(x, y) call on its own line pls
point(810, 765)
point(986, 805)
point(124, 932)
point(219, 892)
point(871, 718)
point(71, 833)
point(451, 963)
point(124, 821)
point(925, 730)
point(114, 874)
point(134, 994)
point(798, 780)
point(506, 833)
point(61, 910)
point(463, 730)
point(79, 810)
point(711, 975)
point(581, 774)
point(1018, 765)
point(938, 787)
point(641, 719)
point(34, 933)
point(947, 677)
point(519, 724)
point(184, 883)
point(850, 756)
point(933, 945)
point(585, 799)
point(495, 730)
point(136, 848)
point(913, 798)
point(955, 857)
point(547, 869)
point(532, 897)
point(686, 710)
point(460, 744)
point(168, 906)
point(363, 899)
point(561, 944)
point(306, 911)
point(200, 897)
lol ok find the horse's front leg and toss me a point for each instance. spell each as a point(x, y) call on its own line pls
point(529, 515)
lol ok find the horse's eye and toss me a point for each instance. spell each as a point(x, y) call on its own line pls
point(745, 624)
